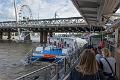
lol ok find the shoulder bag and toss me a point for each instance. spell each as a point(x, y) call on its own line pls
point(112, 77)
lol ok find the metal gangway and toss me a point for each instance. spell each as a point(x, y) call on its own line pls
point(57, 70)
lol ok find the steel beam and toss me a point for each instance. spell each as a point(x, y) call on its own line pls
point(44, 23)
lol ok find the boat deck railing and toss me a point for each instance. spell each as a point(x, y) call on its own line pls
point(28, 56)
point(57, 70)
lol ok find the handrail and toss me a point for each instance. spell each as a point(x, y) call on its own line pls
point(28, 54)
point(38, 70)
point(33, 72)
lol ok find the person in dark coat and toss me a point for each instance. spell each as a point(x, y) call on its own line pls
point(88, 68)
point(89, 47)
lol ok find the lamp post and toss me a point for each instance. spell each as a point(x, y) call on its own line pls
point(15, 11)
point(16, 18)
point(55, 16)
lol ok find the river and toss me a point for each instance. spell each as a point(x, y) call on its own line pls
point(11, 60)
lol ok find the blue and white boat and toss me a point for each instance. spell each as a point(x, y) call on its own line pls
point(57, 48)
point(48, 53)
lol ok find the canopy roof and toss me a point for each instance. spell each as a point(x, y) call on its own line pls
point(96, 12)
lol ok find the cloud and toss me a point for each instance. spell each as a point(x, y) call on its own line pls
point(6, 10)
point(39, 8)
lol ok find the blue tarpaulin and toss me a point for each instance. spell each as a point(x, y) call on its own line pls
point(57, 52)
point(53, 51)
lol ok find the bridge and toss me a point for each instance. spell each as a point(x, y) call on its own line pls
point(71, 24)
point(45, 26)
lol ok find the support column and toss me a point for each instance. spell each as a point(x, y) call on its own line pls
point(41, 37)
point(50, 34)
point(45, 34)
point(9, 35)
point(117, 37)
point(1, 35)
point(117, 51)
point(27, 37)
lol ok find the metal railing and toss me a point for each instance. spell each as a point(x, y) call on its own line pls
point(28, 55)
point(55, 71)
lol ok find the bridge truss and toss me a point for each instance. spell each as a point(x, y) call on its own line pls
point(59, 24)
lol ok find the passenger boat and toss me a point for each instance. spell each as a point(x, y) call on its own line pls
point(49, 53)
point(56, 49)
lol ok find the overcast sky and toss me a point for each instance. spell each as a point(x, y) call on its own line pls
point(39, 9)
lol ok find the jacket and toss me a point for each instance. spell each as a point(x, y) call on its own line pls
point(75, 75)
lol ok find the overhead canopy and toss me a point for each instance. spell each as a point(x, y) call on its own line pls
point(96, 12)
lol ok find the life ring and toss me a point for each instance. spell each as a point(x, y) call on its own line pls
point(49, 56)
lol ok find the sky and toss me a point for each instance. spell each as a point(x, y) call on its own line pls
point(118, 11)
point(37, 9)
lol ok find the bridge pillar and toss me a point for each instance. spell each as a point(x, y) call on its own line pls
point(9, 35)
point(41, 37)
point(1, 35)
point(50, 34)
point(27, 37)
point(45, 34)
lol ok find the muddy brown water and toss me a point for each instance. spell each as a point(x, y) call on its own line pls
point(11, 60)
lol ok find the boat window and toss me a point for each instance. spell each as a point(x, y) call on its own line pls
point(39, 49)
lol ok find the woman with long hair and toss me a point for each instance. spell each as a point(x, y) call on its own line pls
point(87, 68)
point(108, 63)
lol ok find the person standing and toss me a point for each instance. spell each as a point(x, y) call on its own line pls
point(99, 54)
point(102, 44)
point(87, 69)
point(108, 62)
